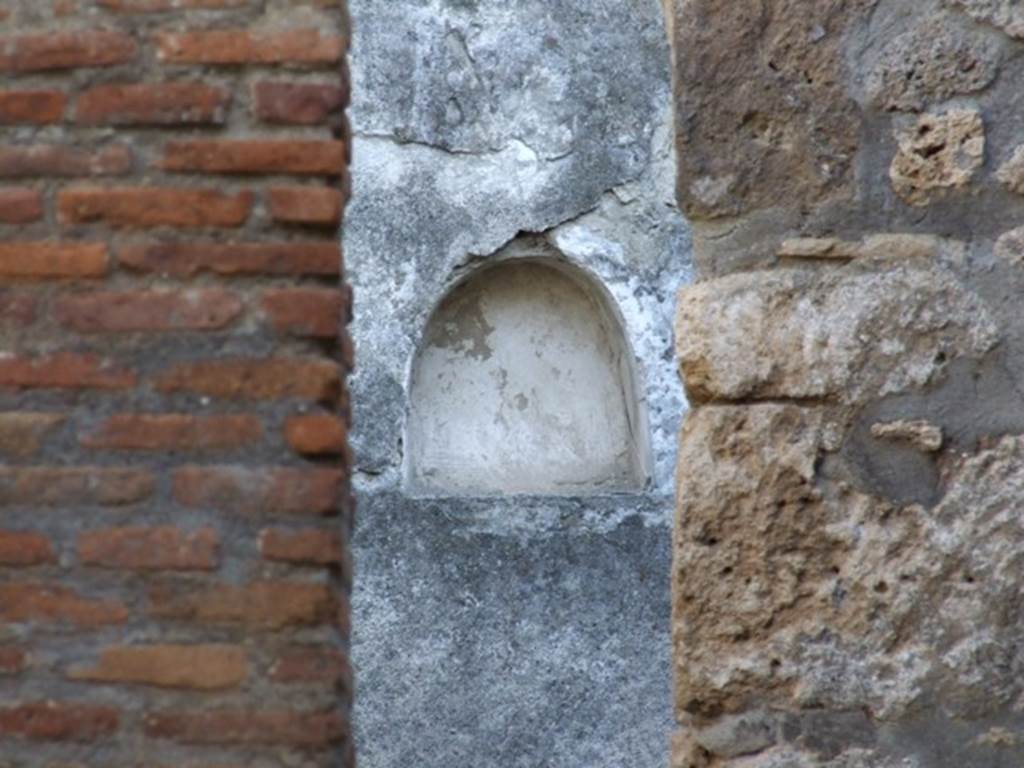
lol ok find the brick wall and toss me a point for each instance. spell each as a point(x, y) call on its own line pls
point(173, 471)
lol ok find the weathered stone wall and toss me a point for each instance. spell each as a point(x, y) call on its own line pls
point(511, 630)
point(174, 510)
point(847, 573)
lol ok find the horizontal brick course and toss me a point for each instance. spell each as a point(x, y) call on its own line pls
point(37, 603)
point(239, 46)
point(20, 206)
point(74, 486)
point(39, 260)
point(255, 157)
point(146, 207)
point(188, 259)
point(314, 312)
point(196, 667)
point(58, 721)
point(34, 160)
point(31, 107)
point(63, 370)
point(309, 547)
point(65, 50)
point(172, 432)
point(152, 311)
point(316, 434)
point(19, 548)
point(264, 605)
point(292, 103)
point(254, 379)
point(314, 206)
point(180, 103)
point(150, 549)
point(22, 432)
point(157, 6)
point(260, 490)
point(311, 664)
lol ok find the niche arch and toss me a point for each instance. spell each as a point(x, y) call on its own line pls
point(524, 383)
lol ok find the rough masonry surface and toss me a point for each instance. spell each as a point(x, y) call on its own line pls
point(845, 587)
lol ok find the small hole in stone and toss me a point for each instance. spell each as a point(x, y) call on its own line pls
point(881, 587)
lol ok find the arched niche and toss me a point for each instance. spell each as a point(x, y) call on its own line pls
point(524, 383)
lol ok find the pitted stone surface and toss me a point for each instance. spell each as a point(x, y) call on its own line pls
point(938, 153)
point(933, 61)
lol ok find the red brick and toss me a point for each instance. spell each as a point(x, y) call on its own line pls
point(20, 206)
point(65, 50)
point(12, 660)
point(312, 664)
point(63, 370)
point(316, 435)
point(318, 206)
point(17, 310)
point(74, 486)
point(172, 432)
point(312, 312)
point(50, 604)
point(43, 260)
point(270, 605)
point(309, 547)
point(197, 667)
point(150, 549)
point(260, 490)
point(143, 207)
point(22, 162)
point(22, 433)
point(297, 103)
point(237, 156)
point(187, 259)
point(31, 107)
point(58, 721)
point(308, 730)
point(154, 104)
point(156, 6)
point(266, 379)
point(149, 311)
point(239, 46)
point(25, 549)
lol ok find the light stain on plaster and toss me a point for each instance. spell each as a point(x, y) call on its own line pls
point(523, 386)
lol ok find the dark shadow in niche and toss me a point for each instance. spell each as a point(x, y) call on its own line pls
point(524, 383)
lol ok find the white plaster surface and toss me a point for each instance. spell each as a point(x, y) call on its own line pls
point(523, 386)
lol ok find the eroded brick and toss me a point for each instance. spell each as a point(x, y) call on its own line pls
point(308, 547)
point(23, 549)
point(239, 46)
point(259, 157)
point(269, 605)
point(34, 602)
point(49, 260)
point(312, 312)
point(179, 103)
point(150, 549)
point(148, 311)
point(269, 379)
point(144, 207)
point(63, 370)
point(173, 432)
point(187, 259)
point(260, 490)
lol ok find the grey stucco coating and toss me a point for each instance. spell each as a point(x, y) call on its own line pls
point(510, 630)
